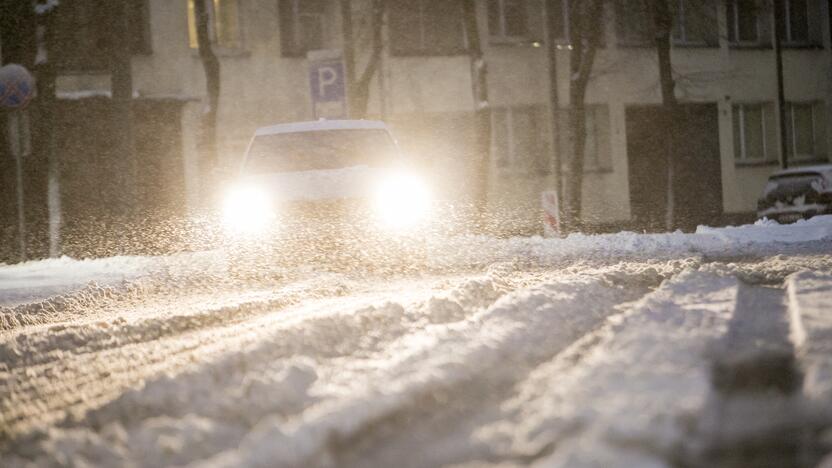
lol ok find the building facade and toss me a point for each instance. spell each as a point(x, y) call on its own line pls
point(722, 56)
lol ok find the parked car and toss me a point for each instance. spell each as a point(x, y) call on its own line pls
point(324, 175)
point(798, 193)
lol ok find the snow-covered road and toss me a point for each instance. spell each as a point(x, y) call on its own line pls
point(707, 349)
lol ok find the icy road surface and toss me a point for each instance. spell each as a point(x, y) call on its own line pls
point(706, 349)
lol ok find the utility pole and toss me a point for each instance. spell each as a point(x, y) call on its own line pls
point(554, 101)
point(779, 31)
point(46, 75)
point(349, 53)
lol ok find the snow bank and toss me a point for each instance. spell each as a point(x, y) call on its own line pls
point(41, 279)
point(44, 278)
point(760, 238)
point(766, 231)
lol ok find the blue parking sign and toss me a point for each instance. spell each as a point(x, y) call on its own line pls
point(328, 84)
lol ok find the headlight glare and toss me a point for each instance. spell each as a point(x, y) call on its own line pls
point(247, 210)
point(402, 200)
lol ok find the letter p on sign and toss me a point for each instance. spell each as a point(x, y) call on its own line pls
point(327, 85)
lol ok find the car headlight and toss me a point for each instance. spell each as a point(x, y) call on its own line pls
point(401, 200)
point(247, 210)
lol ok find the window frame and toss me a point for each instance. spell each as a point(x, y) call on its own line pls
point(792, 154)
point(213, 27)
point(770, 155)
point(733, 12)
point(529, 36)
point(566, 37)
point(297, 48)
point(632, 35)
point(787, 39)
point(601, 160)
point(397, 50)
point(679, 23)
point(532, 165)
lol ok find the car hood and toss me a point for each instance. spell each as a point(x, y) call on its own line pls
point(330, 184)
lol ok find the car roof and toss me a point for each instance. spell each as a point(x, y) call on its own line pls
point(319, 125)
point(825, 169)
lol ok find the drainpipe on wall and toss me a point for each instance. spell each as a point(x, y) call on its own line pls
point(779, 30)
point(554, 101)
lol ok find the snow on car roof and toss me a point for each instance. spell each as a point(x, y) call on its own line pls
point(318, 125)
point(823, 168)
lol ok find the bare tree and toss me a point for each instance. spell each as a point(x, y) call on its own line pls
point(211, 66)
point(587, 26)
point(359, 85)
point(482, 110)
point(663, 29)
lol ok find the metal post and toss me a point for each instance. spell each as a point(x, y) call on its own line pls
point(18, 145)
point(554, 101)
point(779, 31)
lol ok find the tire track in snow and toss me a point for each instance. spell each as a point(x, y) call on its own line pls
point(758, 413)
point(316, 328)
point(40, 346)
point(623, 395)
point(425, 372)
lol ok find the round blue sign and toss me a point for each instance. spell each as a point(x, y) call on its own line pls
point(17, 86)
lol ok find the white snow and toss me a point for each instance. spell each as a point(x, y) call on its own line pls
point(624, 399)
point(40, 279)
point(810, 300)
point(323, 124)
point(603, 360)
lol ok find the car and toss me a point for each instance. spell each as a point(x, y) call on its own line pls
point(797, 193)
point(323, 177)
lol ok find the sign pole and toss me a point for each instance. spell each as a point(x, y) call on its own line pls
point(17, 87)
point(17, 146)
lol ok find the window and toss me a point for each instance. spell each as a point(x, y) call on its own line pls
point(806, 130)
point(301, 26)
point(560, 29)
point(85, 35)
point(755, 133)
point(507, 19)
point(426, 27)
point(518, 140)
point(597, 152)
point(694, 22)
point(743, 21)
point(139, 24)
point(517, 20)
point(797, 21)
point(634, 26)
point(223, 26)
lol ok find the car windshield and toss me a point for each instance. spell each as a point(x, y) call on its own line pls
point(315, 150)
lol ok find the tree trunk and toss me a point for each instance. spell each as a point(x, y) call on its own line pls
point(482, 113)
point(663, 23)
point(587, 26)
point(211, 65)
point(359, 86)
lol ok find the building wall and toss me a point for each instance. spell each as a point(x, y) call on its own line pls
point(428, 99)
